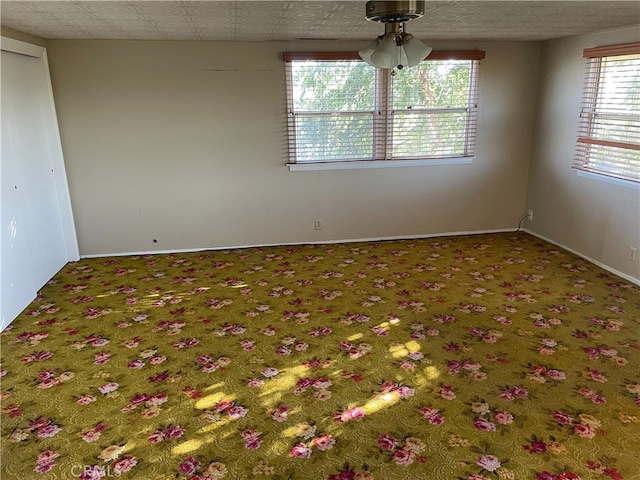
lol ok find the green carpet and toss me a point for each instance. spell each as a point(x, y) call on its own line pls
point(478, 357)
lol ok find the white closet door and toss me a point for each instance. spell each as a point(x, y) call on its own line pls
point(33, 238)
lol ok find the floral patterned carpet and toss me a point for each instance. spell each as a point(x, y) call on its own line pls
point(479, 357)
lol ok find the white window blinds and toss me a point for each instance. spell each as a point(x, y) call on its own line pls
point(609, 131)
point(342, 109)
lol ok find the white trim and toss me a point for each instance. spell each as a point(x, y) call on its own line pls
point(322, 242)
point(55, 146)
point(357, 164)
point(595, 262)
point(372, 239)
point(59, 171)
point(16, 46)
point(605, 178)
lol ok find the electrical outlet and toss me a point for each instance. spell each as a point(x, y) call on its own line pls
point(318, 224)
point(530, 215)
point(633, 252)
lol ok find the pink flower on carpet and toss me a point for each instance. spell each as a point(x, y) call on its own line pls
point(101, 358)
point(39, 423)
point(252, 444)
point(47, 456)
point(139, 399)
point(404, 457)
point(432, 415)
point(250, 434)
point(554, 374)
point(157, 360)
point(353, 413)
point(280, 414)
point(573, 476)
point(189, 466)
point(99, 342)
point(124, 464)
point(157, 399)
point(545, 476)
point(405, 392)
point(387, 442)
point(204, 359)
point(597, 376)
point(584, 430)
point(322, 383)
point(44, 467)
point(237, 411)
point(156, 437)
point(91, 436)
point(270, 372)
point(447, 392)
point(108, 388)
point(255, 383)
point(48, 431)
point(563, 418)
point(136, 364)
point(175, 431)
point(304, 382)
point(300, 450)
point(48, 383)
point(536, 447)
point(223, 405)
point(484, 425)
point(251, 439)
point(503, 418)
point(513, 393)
point(489, 463)
point(46, 374)
point(210, 368)
point(415, 355)
point(324, 442)
point(471, 366)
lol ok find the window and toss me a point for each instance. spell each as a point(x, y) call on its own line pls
point(609, 131)
point(340, 109)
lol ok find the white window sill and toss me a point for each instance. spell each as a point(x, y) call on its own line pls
point(356, 164)
point(607, 179)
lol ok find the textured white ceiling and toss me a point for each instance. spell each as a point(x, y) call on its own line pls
point(273, 20)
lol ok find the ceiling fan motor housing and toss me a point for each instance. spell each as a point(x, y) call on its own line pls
point(394, 12)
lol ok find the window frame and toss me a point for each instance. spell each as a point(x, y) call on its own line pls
point(382, 140)
point(586, 160)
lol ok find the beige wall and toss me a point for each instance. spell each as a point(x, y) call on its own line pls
point(185, 142)
point(596, 219)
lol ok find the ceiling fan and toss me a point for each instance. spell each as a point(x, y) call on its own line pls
point(395, 48)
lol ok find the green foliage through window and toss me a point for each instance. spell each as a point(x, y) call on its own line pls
point(346, 110)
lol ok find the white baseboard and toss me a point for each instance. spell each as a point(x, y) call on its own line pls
point(321, 242)
point(372, 239)
point(589, 259)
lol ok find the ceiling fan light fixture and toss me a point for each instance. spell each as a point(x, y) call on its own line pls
point(416, 50)
point(387, 52)
point(396, 48)
point(366, 53)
